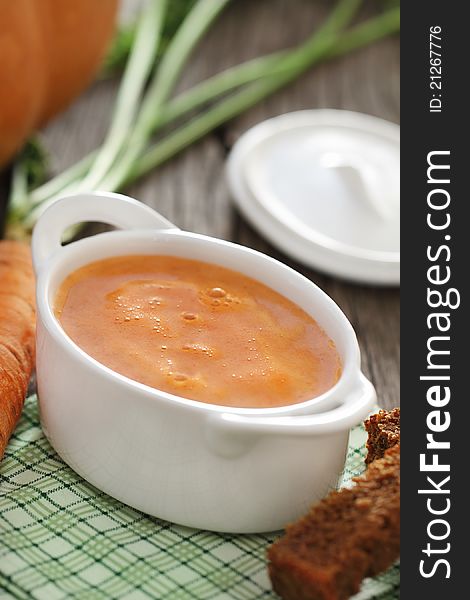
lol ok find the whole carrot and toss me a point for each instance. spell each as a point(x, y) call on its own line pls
point(17, 332)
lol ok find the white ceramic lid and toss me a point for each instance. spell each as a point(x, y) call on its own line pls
point(323, 185)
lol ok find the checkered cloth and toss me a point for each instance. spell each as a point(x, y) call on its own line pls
point(62, 538)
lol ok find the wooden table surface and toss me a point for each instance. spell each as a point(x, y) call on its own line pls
point(191, 190)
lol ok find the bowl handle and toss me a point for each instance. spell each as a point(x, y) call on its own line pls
point(105, 207)
point(232, 434)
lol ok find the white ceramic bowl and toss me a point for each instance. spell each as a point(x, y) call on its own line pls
point(196, 464)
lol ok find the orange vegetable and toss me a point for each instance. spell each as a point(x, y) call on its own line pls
point(49, 51)
point(17, 333)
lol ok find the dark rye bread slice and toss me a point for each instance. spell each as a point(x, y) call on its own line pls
point(384, 432)
point(351, 534)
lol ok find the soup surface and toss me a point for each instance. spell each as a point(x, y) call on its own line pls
point(197, 330)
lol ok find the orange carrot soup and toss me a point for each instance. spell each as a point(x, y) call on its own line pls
point(197, 330)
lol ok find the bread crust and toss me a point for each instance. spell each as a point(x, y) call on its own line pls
point(351, 534)
point(384, 432)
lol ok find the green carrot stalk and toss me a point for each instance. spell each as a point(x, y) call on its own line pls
point(135, 76)
point(288, 68)
point(188, 101)
point(57, 184)
point(361, 35)
point(190, 32)
point(368, 32)
point(184, 103)
point(29, 171)
point(264, 75)
point(339, 18)
point(218, 85)
point(19, 187)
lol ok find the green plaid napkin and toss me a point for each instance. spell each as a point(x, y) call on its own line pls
point(62, 538)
